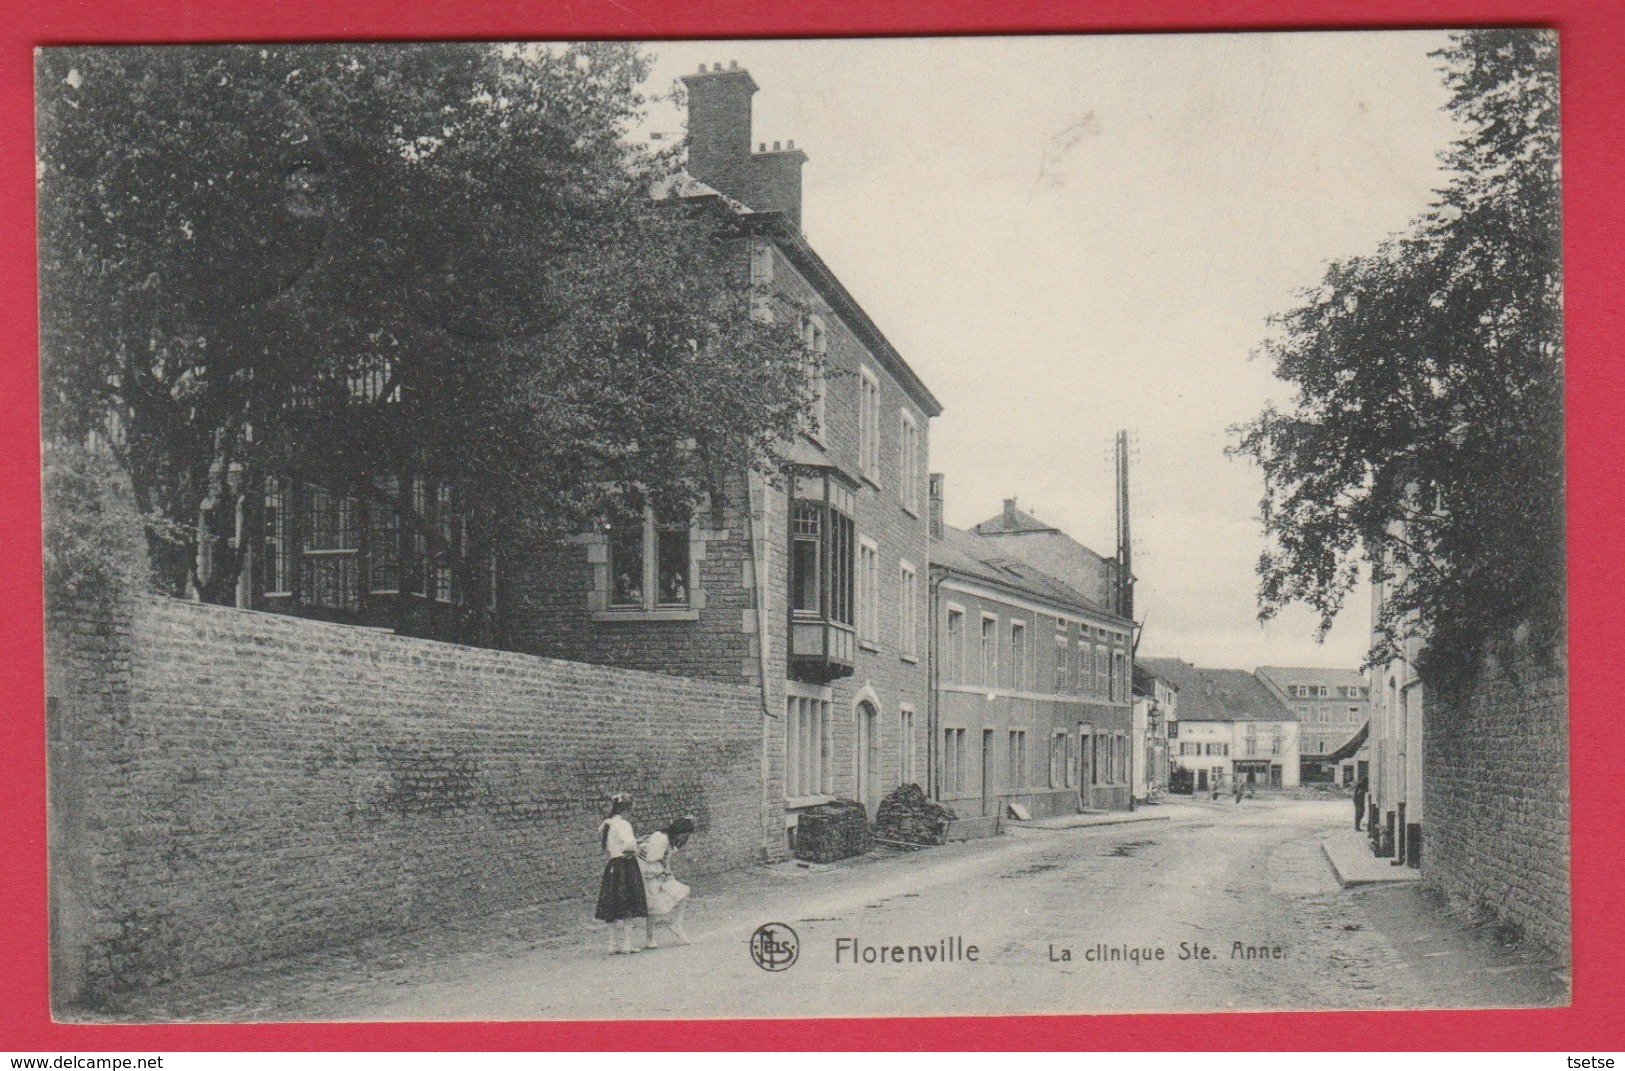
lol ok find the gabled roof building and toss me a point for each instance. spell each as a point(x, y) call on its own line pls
point(812, 592)
point(1231, 726)
point(1032, 685)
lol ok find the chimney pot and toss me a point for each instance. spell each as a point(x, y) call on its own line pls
point(733, 65)
point(775, 146)
point(1010, 512)
point(791, 143)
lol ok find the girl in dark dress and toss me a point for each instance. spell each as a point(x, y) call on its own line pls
point(620, 895)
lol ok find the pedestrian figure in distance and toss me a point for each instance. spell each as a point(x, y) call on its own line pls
point(621, 898)
point(1362, 788)
point(1241, 789)
point(667, 897)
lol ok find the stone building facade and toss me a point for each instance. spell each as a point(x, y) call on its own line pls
point(812, 593)
point(1231, 727)
point(1470, 780)
point(1332, 706)
point(1156, 720)
point(1496, 777)
point(1032, 684)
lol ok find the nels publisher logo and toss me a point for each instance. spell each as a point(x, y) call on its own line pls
point(775, 947)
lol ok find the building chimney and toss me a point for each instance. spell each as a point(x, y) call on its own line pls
point(934, 491)
point(719, 128)
point(776, 181)
point(719, 133)
point(1009, 513)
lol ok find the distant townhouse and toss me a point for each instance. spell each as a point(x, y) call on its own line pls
point(1156, 723)
point(1395, 802)
point(1032, 684)
point(1230, 726)
point(1333, 706)
point(815, 592)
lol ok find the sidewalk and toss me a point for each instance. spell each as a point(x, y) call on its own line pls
point(310, 985)
point(1349, 853)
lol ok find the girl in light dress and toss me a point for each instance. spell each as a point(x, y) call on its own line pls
point(621, 896)
point(666, 896)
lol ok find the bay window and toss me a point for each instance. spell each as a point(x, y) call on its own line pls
point(823, 566)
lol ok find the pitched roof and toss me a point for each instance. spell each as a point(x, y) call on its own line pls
point(1219, 694)
point(970, 555)
point(1013, 521)
point(1285, 675)
point(1145, 677)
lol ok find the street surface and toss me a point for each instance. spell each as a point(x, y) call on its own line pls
point(1037, 905)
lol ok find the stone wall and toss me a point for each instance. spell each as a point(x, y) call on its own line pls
point(1496, 777)
point(229, 786)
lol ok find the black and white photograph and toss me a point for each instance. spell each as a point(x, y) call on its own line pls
point(764, 529)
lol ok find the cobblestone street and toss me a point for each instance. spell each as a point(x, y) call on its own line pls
point(1040, 907)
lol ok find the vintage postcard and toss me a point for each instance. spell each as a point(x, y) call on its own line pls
point(747, 529)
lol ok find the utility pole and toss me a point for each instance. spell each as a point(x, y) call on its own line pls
point(1125, 549)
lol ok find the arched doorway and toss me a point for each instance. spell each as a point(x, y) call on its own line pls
point(867, 753)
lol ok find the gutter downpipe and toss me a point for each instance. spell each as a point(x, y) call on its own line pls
point(933, 714)
point(758, 551)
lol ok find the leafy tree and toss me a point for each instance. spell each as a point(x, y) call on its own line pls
point(326, 261)
point(1426, 436)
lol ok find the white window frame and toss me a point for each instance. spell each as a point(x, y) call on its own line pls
point(1016, 759)
point(1060, 758)
point(605, 609)
point(869, 424)
point(815, 335)
point(953, 651)
point(868, 592)
point(953, 761)
point(908, 462)
point(1018, 658)
point(988, 649)
point(907, 745)
point(808, 730)
point(908, 612)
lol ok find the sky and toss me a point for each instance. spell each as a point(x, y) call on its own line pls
point(1065, 236)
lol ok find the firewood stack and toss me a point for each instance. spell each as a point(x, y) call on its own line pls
point(835, 830)
point(909, 816)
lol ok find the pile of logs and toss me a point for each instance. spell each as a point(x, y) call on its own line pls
point(909, 816)
point(835, 830)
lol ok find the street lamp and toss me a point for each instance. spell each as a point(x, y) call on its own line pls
point(1153, 718)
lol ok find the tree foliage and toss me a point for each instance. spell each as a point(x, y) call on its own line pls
point(320, 259)
point(1426, 436)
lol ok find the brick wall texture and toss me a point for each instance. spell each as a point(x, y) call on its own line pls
point(229, 786)
point(1496, 776)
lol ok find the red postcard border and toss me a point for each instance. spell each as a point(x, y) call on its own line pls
point(1593, 39)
